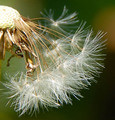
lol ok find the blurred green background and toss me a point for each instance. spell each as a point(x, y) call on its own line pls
point(99, 100)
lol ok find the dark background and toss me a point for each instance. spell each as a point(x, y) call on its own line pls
point(99, 100)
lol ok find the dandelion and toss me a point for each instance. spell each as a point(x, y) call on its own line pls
point(63, 22)
point(58, 64)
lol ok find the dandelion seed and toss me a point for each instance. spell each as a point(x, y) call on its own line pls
point(58, 64)
point(63, 21)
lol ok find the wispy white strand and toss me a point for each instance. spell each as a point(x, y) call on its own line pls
point(78, 60)
point(63, 21)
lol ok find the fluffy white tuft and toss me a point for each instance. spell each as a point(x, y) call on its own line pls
point(64, 21)
point(77, 59)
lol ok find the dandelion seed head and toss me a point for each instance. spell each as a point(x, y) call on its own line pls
point(59, 64)
point(7, 17)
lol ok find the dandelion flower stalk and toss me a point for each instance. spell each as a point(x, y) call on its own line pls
point(59, 63)
point(0, 69)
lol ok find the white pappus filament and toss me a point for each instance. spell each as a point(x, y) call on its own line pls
point(68, 62)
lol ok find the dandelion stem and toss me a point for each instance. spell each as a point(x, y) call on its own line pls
point(0, 68)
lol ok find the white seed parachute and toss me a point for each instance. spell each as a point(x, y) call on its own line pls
point(59, 63)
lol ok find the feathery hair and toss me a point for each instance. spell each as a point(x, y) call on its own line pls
point(59, 63)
